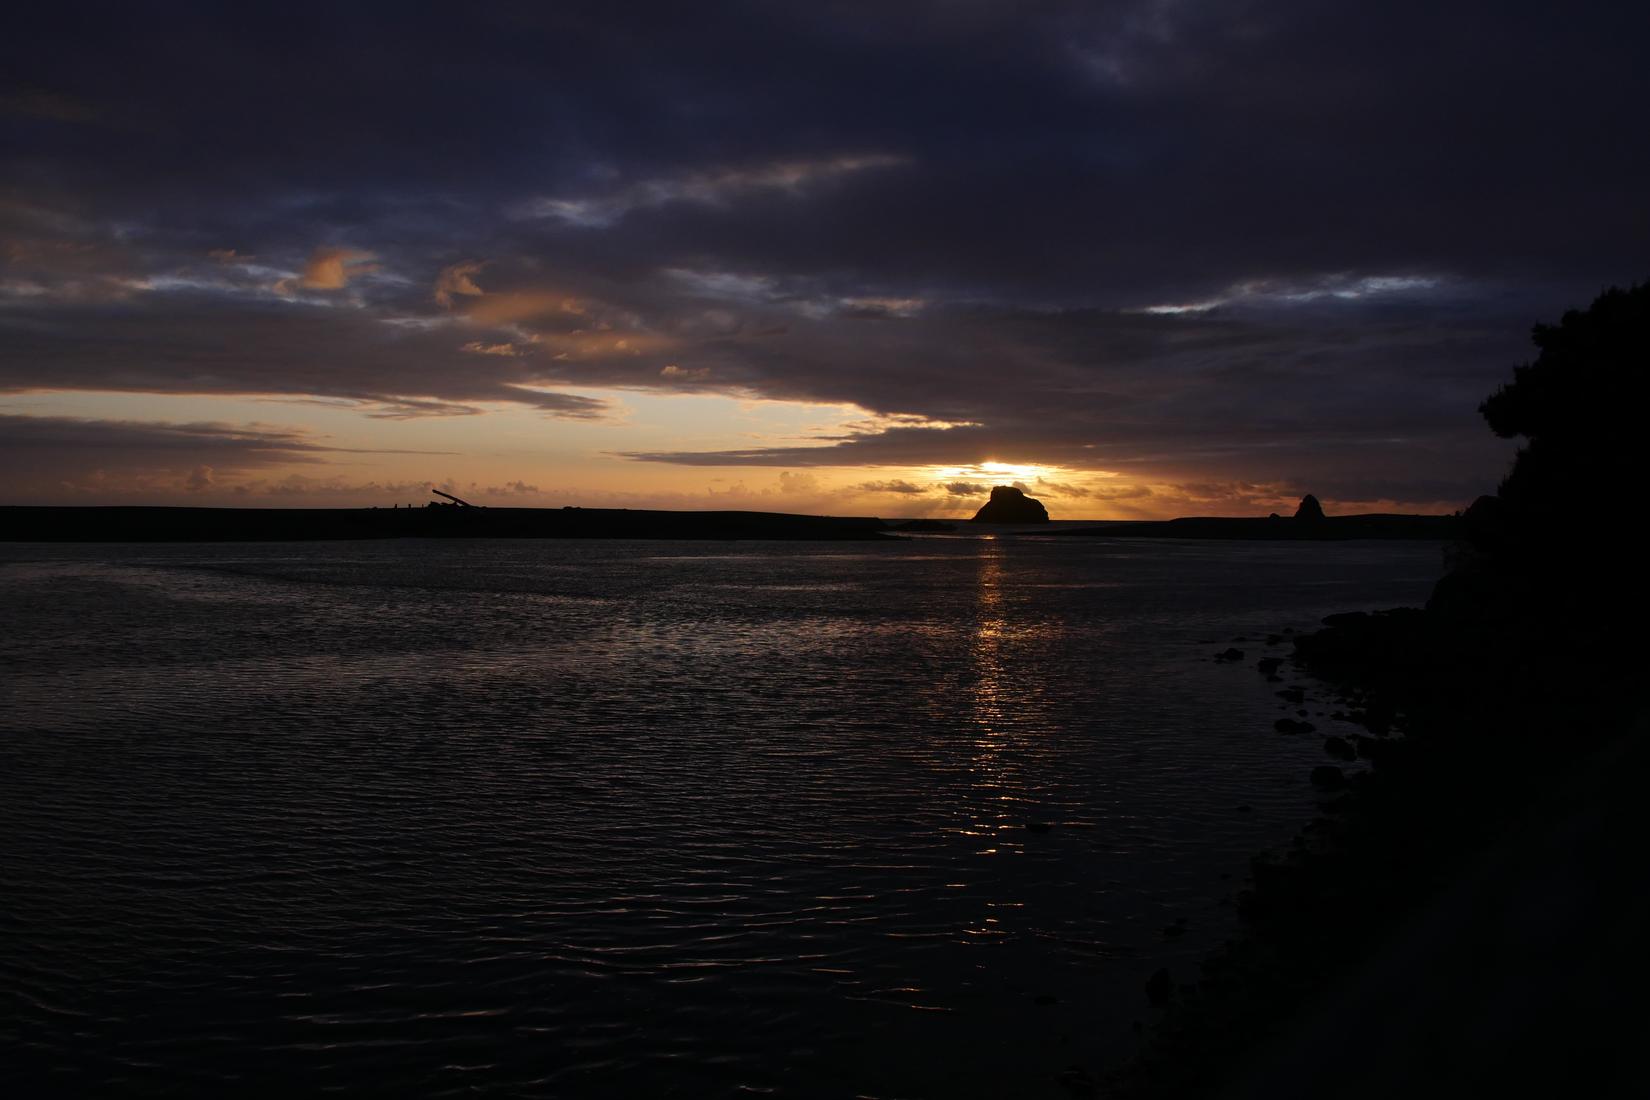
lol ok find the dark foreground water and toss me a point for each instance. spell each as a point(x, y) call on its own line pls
point(644, 819)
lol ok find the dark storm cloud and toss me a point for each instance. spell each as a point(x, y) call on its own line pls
point(49, 456)
point(1317, 396)
point(190, 343)
point(953, 211)
point(33, 442)
point(118, 441)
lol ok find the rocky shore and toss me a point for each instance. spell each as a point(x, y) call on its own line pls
point(1474, 821)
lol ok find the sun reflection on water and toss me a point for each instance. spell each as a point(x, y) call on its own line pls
point(992, 697)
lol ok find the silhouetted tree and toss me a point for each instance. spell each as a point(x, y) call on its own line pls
point(1309, 508)
point(1561, 535)
point(1582, 406)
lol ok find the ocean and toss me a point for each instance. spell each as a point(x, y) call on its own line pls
point(505, 818)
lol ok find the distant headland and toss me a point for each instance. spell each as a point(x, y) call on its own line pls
point(138, 524)
point(1308, 523)
point(458, 519)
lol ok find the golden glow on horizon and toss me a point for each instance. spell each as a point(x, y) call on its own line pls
point(994, 471)
point(280, 450)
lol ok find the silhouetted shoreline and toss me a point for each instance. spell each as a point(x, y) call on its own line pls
point(144, 524)
point(41, 523)
point(1375, 525)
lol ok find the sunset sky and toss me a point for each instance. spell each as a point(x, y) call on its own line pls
point(1145, 258)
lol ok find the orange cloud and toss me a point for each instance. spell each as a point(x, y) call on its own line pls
point(476, 347)
point(523, 305)
point(330, 269)
point(457, 279)
point(598, 345)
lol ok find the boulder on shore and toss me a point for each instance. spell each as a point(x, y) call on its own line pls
point(1340, 748)
point(1011, 505)
point(1328, 777)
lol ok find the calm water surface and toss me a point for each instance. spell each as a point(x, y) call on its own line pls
point(632, 818)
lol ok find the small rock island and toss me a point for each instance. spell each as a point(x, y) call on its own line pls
point(1011, 505)
point(1310, 511)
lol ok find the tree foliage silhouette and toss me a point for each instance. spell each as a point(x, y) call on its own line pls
point(1581, 405)
point(1562, 531)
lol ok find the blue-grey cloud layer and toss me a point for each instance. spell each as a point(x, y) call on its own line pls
point(952, 210)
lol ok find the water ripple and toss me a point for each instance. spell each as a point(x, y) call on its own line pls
point(577, 819)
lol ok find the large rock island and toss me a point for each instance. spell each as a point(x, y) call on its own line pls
point(1011, 505)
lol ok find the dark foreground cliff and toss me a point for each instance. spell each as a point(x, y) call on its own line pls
point(43, 524)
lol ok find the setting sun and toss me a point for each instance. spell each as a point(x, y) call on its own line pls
point(996, 471)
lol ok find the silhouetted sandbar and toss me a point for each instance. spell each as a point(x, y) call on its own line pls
point(1375, 525)
point(139, 524)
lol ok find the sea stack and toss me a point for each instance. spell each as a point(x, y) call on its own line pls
point(1310, 510)
point(1011, 505)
